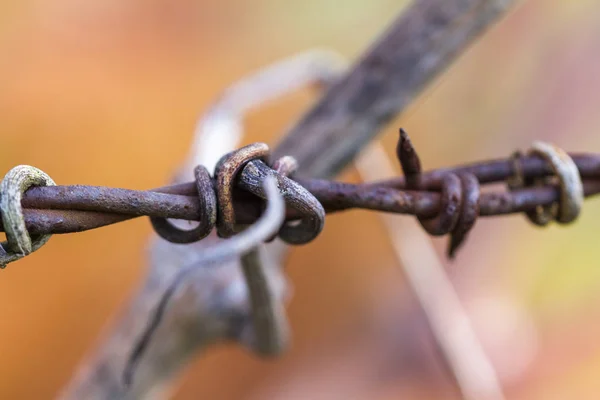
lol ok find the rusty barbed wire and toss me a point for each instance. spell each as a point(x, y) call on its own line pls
point(446, 201)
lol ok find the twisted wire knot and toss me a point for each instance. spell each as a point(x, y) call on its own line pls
point(459, 197)
point(460, 192)
point(217, 201)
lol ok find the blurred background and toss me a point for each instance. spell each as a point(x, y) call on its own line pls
point(108, 92)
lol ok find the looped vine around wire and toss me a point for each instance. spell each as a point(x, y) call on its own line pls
point(569, 183)
point(19, 243)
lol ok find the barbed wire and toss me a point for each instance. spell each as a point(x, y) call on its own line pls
point(546, 184)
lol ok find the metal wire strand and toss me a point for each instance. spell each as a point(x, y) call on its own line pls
point(225, 173)
point(536, 183)
point(467, 215)
point(284, 166)
point(311, 212)
point(208, 204)
point(19, 243)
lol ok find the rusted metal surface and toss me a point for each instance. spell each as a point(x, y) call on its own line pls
point(208, 204)
point(226, 172)
point(176, 202)
point(304, 203)
point(446, 201)
point(460, 197)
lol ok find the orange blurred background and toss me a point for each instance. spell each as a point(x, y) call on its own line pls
point(108, 92)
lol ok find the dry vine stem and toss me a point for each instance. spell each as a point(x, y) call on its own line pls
point(420, 44)
point(244, 245)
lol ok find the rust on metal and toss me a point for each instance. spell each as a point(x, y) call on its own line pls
point(207, 203)
point(446, 201)
point(226, 172)
point(459, 195)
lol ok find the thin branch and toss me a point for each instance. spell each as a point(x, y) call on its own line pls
point(242, 244)
point(220, 129)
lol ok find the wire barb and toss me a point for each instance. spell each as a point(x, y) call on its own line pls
point(461, 196)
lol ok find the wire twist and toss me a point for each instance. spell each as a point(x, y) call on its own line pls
point(217, 202)
point(208, 203)
point(460, 192)
point(250, 163)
